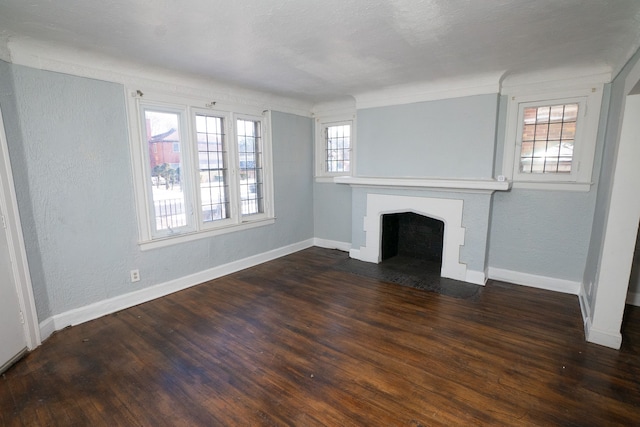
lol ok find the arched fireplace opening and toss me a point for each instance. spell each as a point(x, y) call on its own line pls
point(413, 236)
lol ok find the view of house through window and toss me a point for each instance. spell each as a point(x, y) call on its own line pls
point(548, 136)
point(338, 147)
point(250, 159)
point(163, 139)
point(212, 155)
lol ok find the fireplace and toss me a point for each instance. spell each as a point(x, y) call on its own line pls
point(410, 235)
point(462, 205)
point(449, 211)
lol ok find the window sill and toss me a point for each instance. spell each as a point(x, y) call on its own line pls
point(326, 179)
point(553, 186)
point(188, 237)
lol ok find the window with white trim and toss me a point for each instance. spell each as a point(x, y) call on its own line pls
point(551, 139)
point(200, 169)
point(335, 140)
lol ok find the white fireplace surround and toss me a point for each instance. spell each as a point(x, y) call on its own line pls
point(448, 211)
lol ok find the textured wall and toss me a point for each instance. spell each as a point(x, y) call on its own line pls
point(71, 154)
point(332, 212)
point(452, 138)
point(13, 131)
point(539, 232)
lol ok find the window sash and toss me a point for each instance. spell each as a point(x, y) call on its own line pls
point(167, 189)
point(196, 222)
point(537, 146)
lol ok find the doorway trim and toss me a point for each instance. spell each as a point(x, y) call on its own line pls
point(15, 241)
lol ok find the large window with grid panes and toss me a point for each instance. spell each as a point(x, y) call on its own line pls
point(200, 169)
point(551, 138)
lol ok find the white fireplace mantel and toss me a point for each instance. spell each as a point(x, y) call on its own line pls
point(465, 185)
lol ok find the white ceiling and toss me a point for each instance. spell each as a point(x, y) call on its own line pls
point(319, 50)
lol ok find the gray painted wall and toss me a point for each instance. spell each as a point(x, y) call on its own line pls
point(452, 138)
point(332, 212)
point(69, 149)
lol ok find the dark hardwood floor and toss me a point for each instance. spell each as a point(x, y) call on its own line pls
point(298, 341)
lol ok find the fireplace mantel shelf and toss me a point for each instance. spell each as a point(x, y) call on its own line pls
point(466, 185)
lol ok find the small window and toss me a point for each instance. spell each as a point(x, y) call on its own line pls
point(334, 148)
point(547, 139)
point(337, 139)
point(551, 138)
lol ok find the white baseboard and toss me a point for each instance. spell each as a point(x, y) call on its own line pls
point(332, 244)
point(355, 254)
point(121, 302)
point(633, 299)
point(47, 327)
point(476, 277)
point(535, 281)
point(604, 338)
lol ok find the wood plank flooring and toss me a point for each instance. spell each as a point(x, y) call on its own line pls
point(298, 342)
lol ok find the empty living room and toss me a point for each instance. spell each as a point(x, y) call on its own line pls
point(340, 213)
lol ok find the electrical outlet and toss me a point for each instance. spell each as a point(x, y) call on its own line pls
point(135, 275)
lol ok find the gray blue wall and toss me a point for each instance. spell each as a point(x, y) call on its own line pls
point(69, 148)
point(447, 138)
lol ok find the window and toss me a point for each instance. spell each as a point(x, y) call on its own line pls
point(334, 148)
point(199, 171)
point(550, 139)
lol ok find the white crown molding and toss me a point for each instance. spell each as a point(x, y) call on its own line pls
point(429, 91)
point(342, 107)
point(554, 80)
point(50, 57)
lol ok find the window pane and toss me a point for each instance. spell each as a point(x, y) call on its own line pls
point(214, 187)
point(338, 148)
point(163, 139)
point(548, 134)
point(250, 164)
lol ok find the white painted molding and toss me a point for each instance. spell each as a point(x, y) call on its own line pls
point(47, 328)
point(604, 338)
point(448, 211)
point(554, 80)
point(355, 254)
point(535, 281)
point(466, 185)
point(121, 302)
point(48, 56)
point(429, 91)
point(332, 244)
point(633, 299)
point(16, 246)
point(476, 277)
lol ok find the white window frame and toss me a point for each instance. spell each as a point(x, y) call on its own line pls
point(589, 99)
point(322, 123)
point(188, 107)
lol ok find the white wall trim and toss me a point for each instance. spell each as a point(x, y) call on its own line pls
point(16, 245)
point(633, 299)
point(604, 338)
point(48, 56)
point(535, 281)
point(332, 244)
point(429, 91)
point(476, 277)
point(121, 302)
